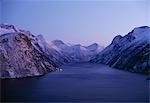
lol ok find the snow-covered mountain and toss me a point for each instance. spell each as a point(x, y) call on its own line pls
point(80, 53)
point(76, 53)
point(130, 52)
point(95, 48)
point(7, 29)
point(21, 54)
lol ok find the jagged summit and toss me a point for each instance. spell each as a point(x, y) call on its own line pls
point(140, 32)
point(58, 42)
point(95, 48)
point(143, 27)
point(117, 39)
point(8, 27)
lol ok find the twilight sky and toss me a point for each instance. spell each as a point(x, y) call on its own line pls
point(81, 21)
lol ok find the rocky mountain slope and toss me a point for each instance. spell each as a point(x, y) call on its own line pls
point(21, 54)
point(130, 52)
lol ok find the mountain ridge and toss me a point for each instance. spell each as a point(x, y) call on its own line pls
point(130, 52)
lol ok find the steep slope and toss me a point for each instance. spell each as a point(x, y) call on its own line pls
point(52, 52)
point(21, 55)
point(131, 52)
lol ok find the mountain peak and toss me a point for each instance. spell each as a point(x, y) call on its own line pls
point(95, 47)
point(58, 42)
point(140, 32)
point(94, 44)
point(8, 27)
point(117, 39)
point(144, 27)
point(141, 28)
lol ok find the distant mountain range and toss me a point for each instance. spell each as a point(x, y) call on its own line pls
point(77, 53)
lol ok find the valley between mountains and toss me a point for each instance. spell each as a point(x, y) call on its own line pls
point(23, 54)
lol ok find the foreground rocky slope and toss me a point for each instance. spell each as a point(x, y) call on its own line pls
point(131, 52)
point(21, 55)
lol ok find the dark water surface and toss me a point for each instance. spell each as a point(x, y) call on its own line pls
point(80, 82)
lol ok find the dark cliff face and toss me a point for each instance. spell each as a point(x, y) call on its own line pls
point(20, 57)
point(131, 52)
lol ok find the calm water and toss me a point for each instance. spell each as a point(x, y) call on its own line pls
point(80, 82)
